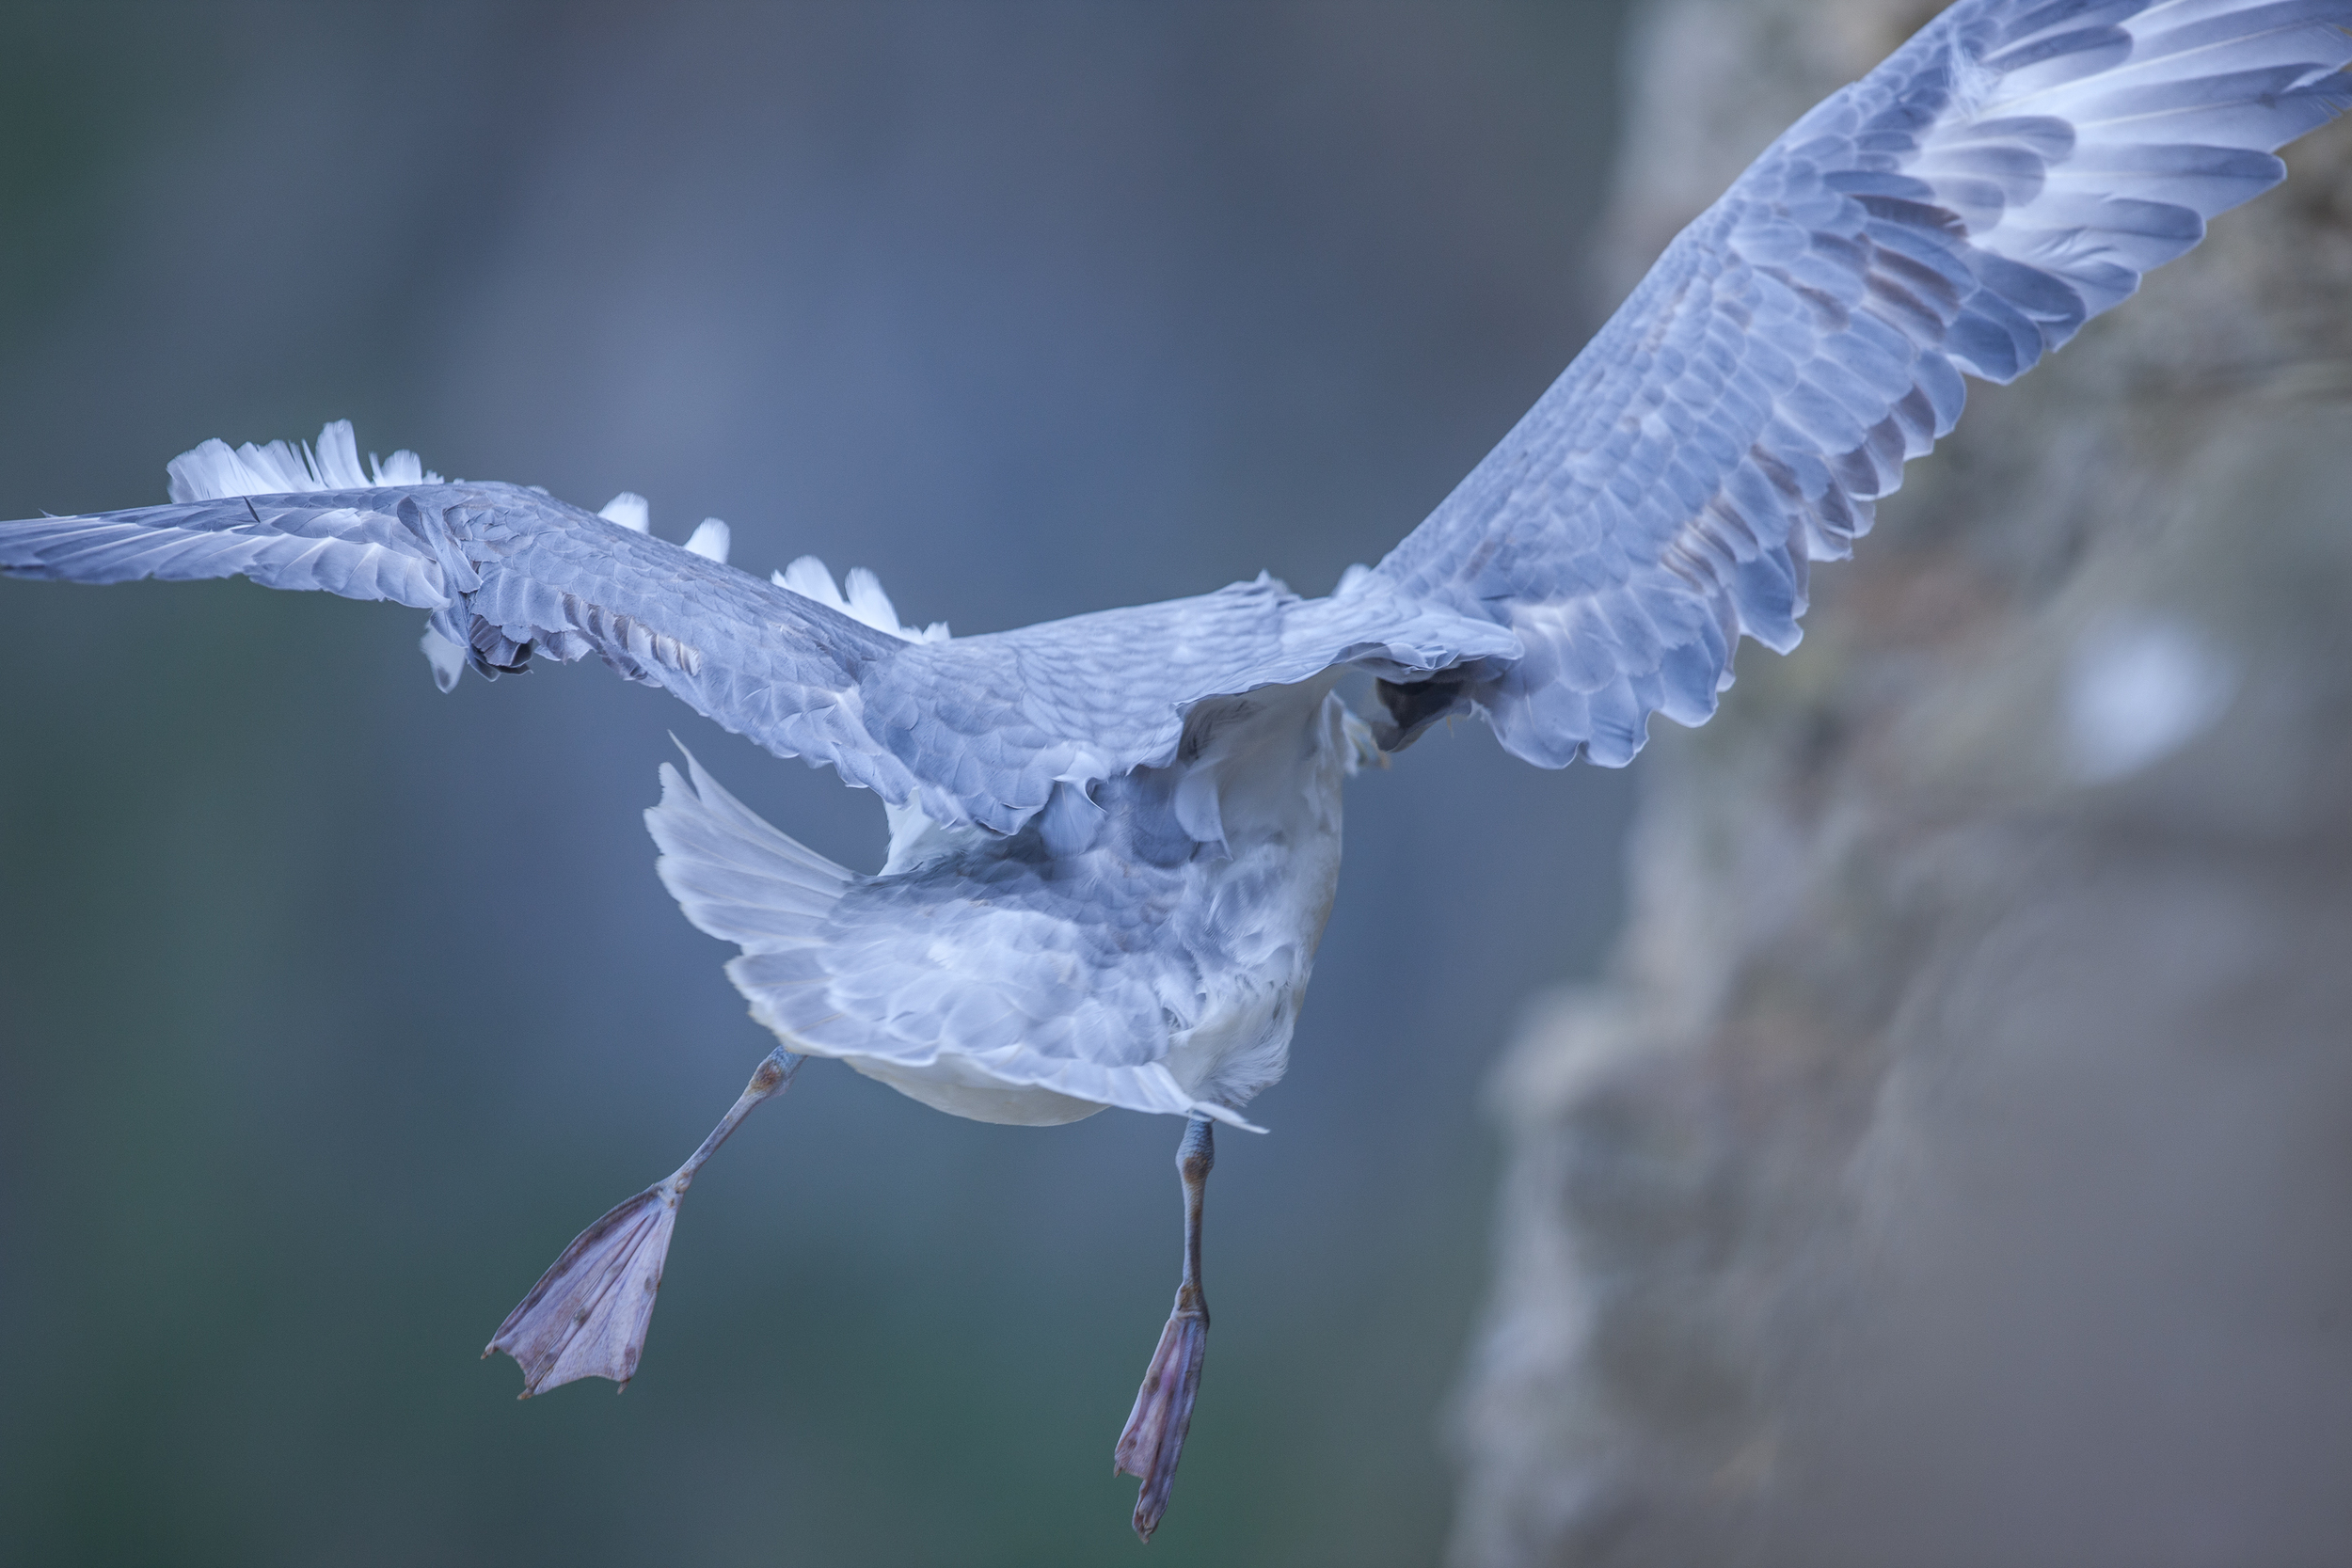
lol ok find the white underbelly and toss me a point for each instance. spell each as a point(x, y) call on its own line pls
point(1271, 899)
point(962, 1089)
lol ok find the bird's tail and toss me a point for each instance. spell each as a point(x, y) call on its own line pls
point(736, 877)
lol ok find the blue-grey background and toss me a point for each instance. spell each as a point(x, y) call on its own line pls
point(330, 1007)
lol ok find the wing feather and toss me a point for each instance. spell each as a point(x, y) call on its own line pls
point(1962, 210)
point(509, 573)
point(1965, 208)
point(975, 730)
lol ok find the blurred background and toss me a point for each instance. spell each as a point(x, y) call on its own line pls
point(1916, 1131)
point(331, 1008)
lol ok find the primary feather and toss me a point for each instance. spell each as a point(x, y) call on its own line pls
point(2006, 175)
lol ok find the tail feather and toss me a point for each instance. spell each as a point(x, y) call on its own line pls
point(734, 874)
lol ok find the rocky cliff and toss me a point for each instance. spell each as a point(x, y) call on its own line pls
point(1956, 1167)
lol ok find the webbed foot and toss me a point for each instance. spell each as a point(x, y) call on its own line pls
point(588, 1314)
point(1154, 1438)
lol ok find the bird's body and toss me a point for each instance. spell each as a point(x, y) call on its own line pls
point(1115, 838)
point(1103, 954)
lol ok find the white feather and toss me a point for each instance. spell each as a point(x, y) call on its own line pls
point(628, 510)
point(215, 470)
point(865, 601)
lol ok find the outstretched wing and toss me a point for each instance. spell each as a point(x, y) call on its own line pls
point(508, 574)
point(2008, 174)
point(977, 730)
point(1967, 207)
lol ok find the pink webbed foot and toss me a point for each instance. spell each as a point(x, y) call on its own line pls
point(588, 1314)
point(1154, 1438)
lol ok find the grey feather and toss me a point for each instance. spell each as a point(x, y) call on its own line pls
point(510, 573)
point(977, 729)
point(2004, 177)
point(1077, 975)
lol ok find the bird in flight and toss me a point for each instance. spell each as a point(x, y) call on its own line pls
point(1114, 839)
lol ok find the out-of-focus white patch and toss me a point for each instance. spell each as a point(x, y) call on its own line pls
point(2139, 692)
point(628, 510)
point(214, 470)
point(711, 540)
point(447, 659)
point(865, 601)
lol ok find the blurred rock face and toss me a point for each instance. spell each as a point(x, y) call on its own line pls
point(1958, 1167)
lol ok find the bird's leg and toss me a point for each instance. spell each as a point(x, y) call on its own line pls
point(1154, 1438)
point(587, 1315)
